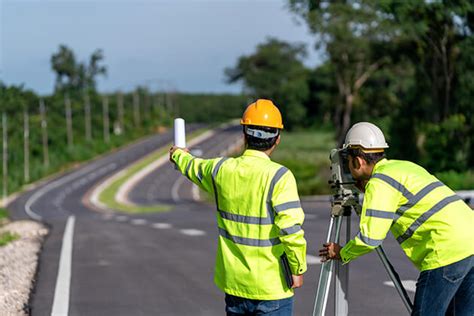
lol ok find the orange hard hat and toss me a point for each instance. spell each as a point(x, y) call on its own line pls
point(262, 113)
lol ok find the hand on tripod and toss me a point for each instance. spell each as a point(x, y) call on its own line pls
point(331, 250)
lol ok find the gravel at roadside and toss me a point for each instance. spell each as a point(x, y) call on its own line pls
point(18, 262)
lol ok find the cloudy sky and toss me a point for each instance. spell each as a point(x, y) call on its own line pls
point(182, 44)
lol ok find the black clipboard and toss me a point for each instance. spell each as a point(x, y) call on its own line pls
point(285, 265)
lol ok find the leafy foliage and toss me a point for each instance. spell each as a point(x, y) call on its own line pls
point(75, 77)
point(406, 65)
point(275, 71)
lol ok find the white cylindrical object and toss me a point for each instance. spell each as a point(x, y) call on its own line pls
point(179, 133)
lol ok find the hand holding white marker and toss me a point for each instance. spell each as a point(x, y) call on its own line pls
point(179, 133)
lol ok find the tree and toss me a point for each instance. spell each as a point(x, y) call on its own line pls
point(275, 71)
point(64, 65)
point(437, 38)
point(354, 35)
point(72, 76)
point(435, 30)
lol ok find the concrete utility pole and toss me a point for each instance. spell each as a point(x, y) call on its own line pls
point(105, 112)
point(136, 109)
point(26, 146)
point(67, 103)
point(5, 156)
point(120, 111)
point(44, 128)
point(87, 117)
point(146, 105)
point(156, 103)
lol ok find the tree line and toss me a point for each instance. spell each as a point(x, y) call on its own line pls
point(407, 66)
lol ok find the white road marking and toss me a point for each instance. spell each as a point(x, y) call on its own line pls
point(192, 232)
point(310, 259)
point(310, 216)
point(56, 184)
point(63, 281)
point(409, 285)
point(175, 189)
point(94, 197)
point(195, 193)
point(138, 221)
point(107, 216)
point(161, 225)
point(121, 218)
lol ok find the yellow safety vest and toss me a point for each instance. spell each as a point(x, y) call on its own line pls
point(259, 216)
point(431, 223)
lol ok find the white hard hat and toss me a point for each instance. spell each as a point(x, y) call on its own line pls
point(365, 135)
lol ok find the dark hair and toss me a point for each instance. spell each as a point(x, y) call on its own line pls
point(370, 158)
point(259, 143)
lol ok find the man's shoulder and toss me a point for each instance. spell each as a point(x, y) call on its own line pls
point(394, 166)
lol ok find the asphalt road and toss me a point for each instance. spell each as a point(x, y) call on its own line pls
point(162, 264)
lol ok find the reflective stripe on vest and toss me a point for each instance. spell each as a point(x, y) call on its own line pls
point(412, 201)
point(249, 241)
point(269, 219)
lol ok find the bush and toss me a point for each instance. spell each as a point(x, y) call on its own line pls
point(457, 180)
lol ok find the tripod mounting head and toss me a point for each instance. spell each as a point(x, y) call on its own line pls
point(346, 195)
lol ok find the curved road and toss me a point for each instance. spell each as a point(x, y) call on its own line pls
point(162, 264)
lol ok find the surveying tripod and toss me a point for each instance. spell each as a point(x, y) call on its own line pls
point(346, 200)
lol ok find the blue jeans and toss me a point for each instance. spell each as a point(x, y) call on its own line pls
point(243, 306)
point(447, 290)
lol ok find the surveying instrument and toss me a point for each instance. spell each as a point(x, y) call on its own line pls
point(345, 200)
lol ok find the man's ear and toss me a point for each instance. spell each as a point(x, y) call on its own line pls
point(278, 140)
point(357, 162)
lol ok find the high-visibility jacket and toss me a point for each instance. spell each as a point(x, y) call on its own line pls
point(259, 216)
point(431, 223)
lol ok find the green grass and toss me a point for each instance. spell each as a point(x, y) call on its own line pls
point(306, 154)
point(107, 196)
point(7, 237)
point(3, 214)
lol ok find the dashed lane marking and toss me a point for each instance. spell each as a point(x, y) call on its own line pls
point(161, 225)
point(310, 259)
point(107, 216)
point(192, 232)
point(121, 218)
point(409, 285)
point(138, 221)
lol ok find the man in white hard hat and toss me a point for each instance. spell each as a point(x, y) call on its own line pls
point(431, 223)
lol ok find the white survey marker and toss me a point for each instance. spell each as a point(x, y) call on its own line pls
point(179, 133)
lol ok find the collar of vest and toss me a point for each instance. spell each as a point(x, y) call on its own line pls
point(255, 153)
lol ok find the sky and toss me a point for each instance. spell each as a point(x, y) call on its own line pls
point(182, 45)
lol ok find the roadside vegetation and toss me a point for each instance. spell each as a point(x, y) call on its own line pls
point(306, 154)
point(406, 66)
point(5, 237)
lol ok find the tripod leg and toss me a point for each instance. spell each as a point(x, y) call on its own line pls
point(395, 279)
point(325, 276)
point(342, 279)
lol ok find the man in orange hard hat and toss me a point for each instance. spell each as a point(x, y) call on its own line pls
point(261, 254)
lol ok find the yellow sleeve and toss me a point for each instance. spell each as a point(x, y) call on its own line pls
point(289, 217)
point(378, 211)
point(198, 170)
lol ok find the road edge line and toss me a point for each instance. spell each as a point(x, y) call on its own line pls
point(63, 280)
